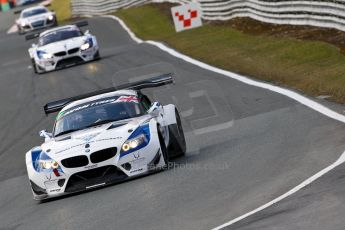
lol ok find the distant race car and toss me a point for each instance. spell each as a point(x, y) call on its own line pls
point(62, 47)
point(34, 18)
point(25, 2)
point(105, 137)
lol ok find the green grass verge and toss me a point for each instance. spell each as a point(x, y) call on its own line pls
point(316, 68)
point(62, 9)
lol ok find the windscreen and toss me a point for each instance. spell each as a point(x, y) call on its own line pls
point(34, 12)
point(98, 112)
point(59, 35)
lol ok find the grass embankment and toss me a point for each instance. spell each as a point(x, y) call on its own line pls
point(62, 9)
point(314, 67)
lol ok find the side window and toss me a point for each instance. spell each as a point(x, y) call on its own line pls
point(145, 101)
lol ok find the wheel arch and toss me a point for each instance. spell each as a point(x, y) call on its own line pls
point(169, 114)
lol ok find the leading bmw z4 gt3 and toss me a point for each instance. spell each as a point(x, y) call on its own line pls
point(104, 138)
point(62, 47)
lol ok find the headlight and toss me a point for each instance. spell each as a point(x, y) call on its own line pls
point(88, 44)
point(47, 56)
point(44, 55)
point(133, 143)
point(85, 46)
point(43, 163)
point(137, 140)
point(48, 164)
point(23, 24)
point(50, 17)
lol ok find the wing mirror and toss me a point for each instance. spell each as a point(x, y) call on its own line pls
point(154, 109)
point(87, 32)
point(45, 134)
point(33, 45)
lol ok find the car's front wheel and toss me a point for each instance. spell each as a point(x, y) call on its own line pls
point(177, 142)
point(164, 149)
point(34, 66)
point(19, 30)
point(97, 56)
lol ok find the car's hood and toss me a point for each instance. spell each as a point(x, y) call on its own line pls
point(98, 138)
point(63, 45)
point(35, 18)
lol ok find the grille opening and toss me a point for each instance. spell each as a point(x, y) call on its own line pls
point(127, 166)
point(105, 174)
point(72, 51)
point(61, 182)
point(60, 54)
point(103, 155)
point(69, 61)
point(75, 162)
point(37, 24)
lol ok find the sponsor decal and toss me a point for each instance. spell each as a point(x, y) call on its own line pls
point(117, 99)
point(136, 155)
point(137, 170)
point(127, 99)
point(100, 140)
point(88, 137)
point(137, 161)
point(91, 166)
point(55, 190)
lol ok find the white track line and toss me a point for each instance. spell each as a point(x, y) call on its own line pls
point(293, 95)
point(308, 181)
point(12, 30)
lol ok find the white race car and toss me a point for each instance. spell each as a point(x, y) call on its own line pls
point(99, 139)
point(62, 47)
point(34, 18)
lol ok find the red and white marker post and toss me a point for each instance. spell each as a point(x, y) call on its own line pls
point(187, 16)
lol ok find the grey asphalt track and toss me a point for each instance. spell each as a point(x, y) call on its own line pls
point(246, 147)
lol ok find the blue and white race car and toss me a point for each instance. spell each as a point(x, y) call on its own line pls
point(61, 47)
point(105, 137)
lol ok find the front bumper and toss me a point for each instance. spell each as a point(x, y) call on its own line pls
point(37, 25)
point(63, 59)
point(114, 170)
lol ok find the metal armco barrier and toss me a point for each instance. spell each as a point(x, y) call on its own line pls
point(326, 13)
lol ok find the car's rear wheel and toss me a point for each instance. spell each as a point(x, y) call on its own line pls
point(177, 142)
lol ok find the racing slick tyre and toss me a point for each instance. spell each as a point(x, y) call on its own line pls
point(20, 31)
point(177, 141)
point(34, 67)
point(163, 147)
point(97, 56)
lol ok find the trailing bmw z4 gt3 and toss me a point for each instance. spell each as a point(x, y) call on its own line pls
point(62, 47)
point(104, 137)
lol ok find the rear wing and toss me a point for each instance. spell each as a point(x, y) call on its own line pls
point(161, 80)
point(36, 35)
point(81, 23)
